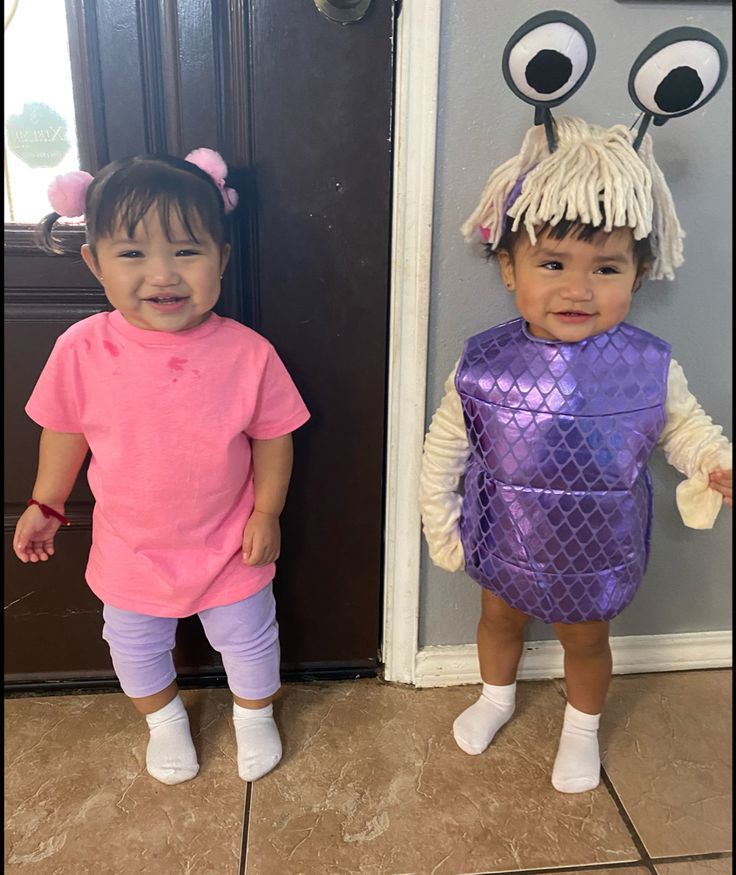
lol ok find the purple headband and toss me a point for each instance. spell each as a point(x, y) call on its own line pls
point(485, 233)
point(67, 193)
point(514, 194)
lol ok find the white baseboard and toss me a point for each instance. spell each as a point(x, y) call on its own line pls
point(452, 665)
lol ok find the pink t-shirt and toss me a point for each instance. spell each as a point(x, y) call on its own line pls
point(168, 417)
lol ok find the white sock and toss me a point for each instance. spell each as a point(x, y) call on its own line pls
point(259, 744)
point(171, 757)
point(475, 727)
point(577, 766)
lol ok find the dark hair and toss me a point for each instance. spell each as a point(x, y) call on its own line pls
point(123, 192)
point(643, 255)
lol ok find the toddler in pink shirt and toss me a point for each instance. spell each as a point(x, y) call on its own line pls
point(188, 418)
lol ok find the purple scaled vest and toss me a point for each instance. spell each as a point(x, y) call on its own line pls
point(557, 511)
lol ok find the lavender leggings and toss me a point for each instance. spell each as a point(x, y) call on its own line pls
point(246, 635)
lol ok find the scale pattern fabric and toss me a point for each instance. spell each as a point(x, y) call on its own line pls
point(557, 506)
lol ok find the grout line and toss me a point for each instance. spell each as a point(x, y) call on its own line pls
point(624, 864)
point(246, 827)
point(628, 823)
point(586, 867)
point(646, 860)
point(687, 858)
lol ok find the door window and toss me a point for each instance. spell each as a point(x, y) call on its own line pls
point(40, 128)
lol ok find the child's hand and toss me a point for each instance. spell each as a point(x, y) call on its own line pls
point(722, 481)
point(33, 540)
point(261, 539)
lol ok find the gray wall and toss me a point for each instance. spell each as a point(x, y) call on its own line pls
point(480, 124)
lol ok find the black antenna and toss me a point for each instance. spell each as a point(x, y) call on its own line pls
point(543, 116)
point(642, 129)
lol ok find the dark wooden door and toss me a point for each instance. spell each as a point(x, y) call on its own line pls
point(300, 108)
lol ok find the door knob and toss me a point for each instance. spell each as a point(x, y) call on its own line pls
point(343, 11)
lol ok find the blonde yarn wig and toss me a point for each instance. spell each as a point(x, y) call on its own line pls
point(594, 176)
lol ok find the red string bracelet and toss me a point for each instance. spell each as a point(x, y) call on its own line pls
point(49, 511)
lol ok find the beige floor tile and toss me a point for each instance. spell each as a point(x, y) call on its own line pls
point(666, 742)
point(79, 801)
point(373, 784)
point(696, 867)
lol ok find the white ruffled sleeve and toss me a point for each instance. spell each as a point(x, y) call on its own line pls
point(695, 446)
point(446, 451)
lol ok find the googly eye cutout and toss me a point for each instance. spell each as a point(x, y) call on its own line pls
point(548, 58)
point(678, 72)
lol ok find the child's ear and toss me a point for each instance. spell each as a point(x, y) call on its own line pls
point(506, 263)
point(641, 275)
point(91, 261)
point(224, 257)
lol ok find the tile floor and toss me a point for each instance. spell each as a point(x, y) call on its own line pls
point(372, 784)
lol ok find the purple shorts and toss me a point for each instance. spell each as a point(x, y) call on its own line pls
point(245, 634)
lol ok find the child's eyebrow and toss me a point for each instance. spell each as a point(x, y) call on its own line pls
point(127, 241)
point(618, 258)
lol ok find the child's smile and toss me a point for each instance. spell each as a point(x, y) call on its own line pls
point(167, 304)
point(157, 283)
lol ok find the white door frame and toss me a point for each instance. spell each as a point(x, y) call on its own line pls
point(415, 131)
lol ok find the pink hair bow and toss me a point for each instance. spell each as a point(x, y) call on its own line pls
point(213, 164)
point(67, 194)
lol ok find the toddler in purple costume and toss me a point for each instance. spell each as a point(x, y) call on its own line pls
point(551, 418)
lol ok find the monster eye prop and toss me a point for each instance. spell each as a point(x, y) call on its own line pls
point(546, 60)
point(570, 169)
point(677, 73)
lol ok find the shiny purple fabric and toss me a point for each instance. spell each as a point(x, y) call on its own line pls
point(556, 515)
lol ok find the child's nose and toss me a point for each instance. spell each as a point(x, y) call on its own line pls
point(163, 273)
point(577, 288)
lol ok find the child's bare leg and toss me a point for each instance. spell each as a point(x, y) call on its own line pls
point(253, 703)
point(500, 643)
point(588, 663)
point(588, 666)
point(500, 640)
point(150, 704)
